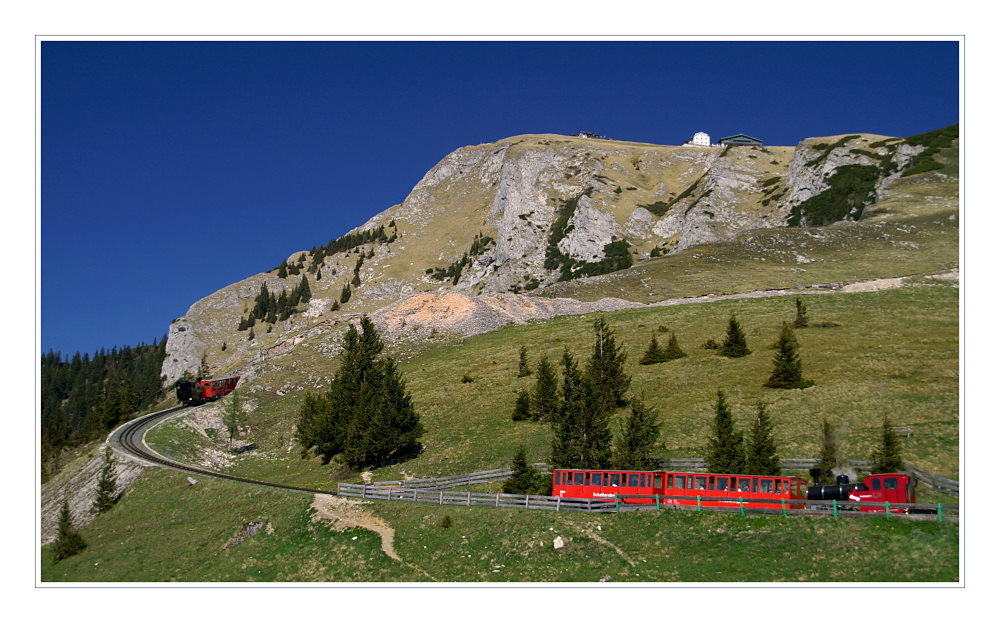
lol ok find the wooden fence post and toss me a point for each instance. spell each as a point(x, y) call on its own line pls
point(887, 515)
point(364, 491)
point(836, 515)
point(699, 503)
point(743, 511)
point(940, 512)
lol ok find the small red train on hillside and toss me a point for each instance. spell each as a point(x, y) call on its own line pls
point(752, 491)
point(200, 391)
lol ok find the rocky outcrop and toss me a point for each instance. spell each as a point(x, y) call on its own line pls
point(547, 206)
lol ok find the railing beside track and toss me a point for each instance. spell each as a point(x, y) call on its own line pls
point(626, 503)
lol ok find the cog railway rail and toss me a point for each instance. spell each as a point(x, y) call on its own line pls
point(130, 438)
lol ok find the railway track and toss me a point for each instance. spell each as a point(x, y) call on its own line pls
point(129, 439)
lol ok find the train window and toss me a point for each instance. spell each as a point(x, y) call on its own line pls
point(615, 480)
point(633, 480)
point(721, 484)
point(876, 484)
point(657, 482)
point(753, 484)
point(744, 484)
point(765, 486)
point(891, 483)
point(699, 482)
point(578, 478)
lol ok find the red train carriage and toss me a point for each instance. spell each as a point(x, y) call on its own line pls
point(203, 390)
point(754, 491)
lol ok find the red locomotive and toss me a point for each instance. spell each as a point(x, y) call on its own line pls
point(875, 489)
point(201, 391)
point(750, 490)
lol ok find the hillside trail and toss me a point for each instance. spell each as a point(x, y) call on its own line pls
point(344, 514)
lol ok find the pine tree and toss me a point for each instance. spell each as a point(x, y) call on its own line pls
point(68, 541)
point(522, 408)
point(345, 294)
point(545, 397)
point(654, 354)
point(106, 483)
point(787, 372)
point(607, 367)
point(305, 293)
point(762, 452)
point(525, 479)
point(801, 318)
point(726, 454)
point(673, 350)
point(640, 431)
point(887, 457)
point(735, 344)
point(233, 417)
point(366, 416)
point(582, 430)
point(522, 363)
point(283, 270)
point(829, 453)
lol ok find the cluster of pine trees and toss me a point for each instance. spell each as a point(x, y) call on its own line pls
point(730, 453)
point(453, 271)
point(85, 397)
point(350, 241)
point(580, 409)
point(366, 418)
point(271, 309)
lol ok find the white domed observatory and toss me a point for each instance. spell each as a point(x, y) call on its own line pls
point(701, 139)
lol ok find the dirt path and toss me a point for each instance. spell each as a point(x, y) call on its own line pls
point(345, 514)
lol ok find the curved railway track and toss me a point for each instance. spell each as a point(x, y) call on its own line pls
point(129, 438)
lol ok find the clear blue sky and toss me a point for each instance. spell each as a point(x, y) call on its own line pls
point(172, 169)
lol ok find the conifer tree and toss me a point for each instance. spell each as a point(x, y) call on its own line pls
point(828, 453)
point(335, 306)
point(233, 417)
point(787, 371)
point(522, 408)
point(633, 448)
point(735, 344)
point(366, 416)
point(726, 454)
point(801, 317)
point(305, 293)
point(673, 350)
point(522, 363)
point(345, 294)
point(106, 483)
point(582, 430)
point(654, 354)
point(607, 367)
point(887, 457)
point(525, 479)
point(762, 452)
point(283, 270)
point(68, 541)
point(545, 397)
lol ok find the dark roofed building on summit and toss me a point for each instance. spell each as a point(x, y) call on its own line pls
point(741, 139)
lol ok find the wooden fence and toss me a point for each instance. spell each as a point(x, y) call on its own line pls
point(928, 512)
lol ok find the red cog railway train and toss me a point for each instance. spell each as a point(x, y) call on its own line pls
point(752, 491)
point(200, 391)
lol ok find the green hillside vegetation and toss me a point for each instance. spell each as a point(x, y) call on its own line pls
point(166, 530)
point(894, 353)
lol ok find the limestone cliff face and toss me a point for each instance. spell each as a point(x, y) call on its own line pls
point(517, 215)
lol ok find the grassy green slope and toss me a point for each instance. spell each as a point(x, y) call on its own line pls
point(166, 530)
